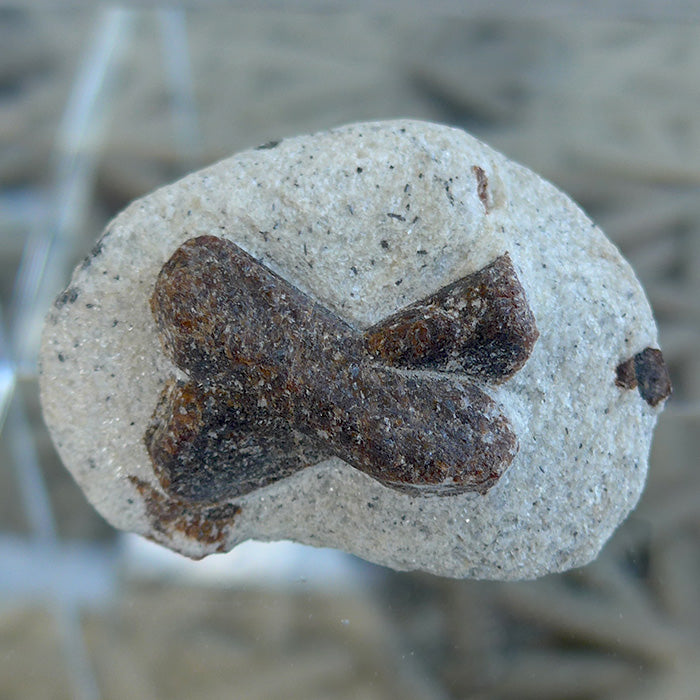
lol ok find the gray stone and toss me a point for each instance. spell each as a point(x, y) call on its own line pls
point(366, 220)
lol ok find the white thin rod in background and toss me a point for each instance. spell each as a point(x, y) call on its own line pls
point(7, 373)
point(44, 259)
point(72, 172)
point(32, 487)
point(37, 508)
point(85, 685)
point(172, 24)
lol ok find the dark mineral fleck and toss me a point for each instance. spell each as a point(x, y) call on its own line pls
point(482, 185)
point(68, 296)
point(646, 371)
point(268, 145)
point(277, 382)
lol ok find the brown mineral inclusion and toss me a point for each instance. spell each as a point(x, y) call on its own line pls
point(647, 372)
point(276, 382)
point(197, 522)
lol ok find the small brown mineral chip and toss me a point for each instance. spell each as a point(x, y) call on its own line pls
point(652, 375)
point(646, 371)
point(625, 376)
point(208, 525)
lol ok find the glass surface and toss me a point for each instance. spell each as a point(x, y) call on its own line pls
point(100, 107)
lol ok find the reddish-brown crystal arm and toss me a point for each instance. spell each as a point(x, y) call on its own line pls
point(481, 325)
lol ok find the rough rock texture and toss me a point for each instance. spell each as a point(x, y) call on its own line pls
point(277, 382)
point(369, 221)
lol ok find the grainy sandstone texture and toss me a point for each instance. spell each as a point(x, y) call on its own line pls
point(367, 220)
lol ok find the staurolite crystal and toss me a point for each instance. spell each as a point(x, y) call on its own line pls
point(277, 382)
point(386, 338)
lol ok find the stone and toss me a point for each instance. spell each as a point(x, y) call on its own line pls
point(386, 338)
point(646, 371)
point(276, 382)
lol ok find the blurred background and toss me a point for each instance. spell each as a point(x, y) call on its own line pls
point(98, 107)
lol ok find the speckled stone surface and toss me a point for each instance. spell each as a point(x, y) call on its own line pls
point(366, 220)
